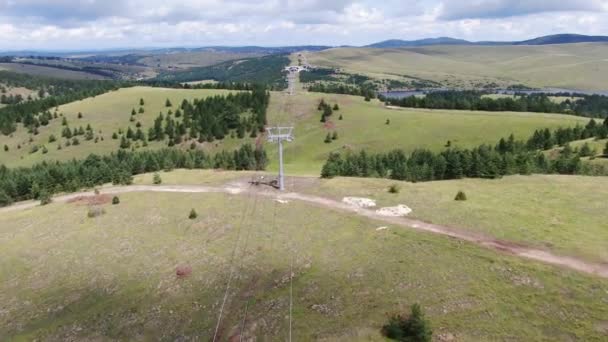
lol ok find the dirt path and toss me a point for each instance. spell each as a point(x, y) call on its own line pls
point(505, 247)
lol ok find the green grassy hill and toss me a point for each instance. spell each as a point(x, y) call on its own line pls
point(363, 126)
point(115, 276)
point(577, 66)
point(106, 114)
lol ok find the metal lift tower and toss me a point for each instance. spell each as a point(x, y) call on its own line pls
point(278, 135)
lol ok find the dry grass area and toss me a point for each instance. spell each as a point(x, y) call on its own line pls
point(144, 271)
point(575, 66)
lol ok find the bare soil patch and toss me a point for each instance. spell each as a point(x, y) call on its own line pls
point(91, 200)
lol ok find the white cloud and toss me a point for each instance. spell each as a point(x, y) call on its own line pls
point(67, 24)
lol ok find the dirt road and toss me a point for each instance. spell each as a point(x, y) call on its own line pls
point(504, 247)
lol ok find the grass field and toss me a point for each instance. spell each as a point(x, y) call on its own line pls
point(106, 113)
point(575, 66)
point(64, 276)
point(532, 210)
point(364, 126)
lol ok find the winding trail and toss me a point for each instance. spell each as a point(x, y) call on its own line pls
point(504, 247)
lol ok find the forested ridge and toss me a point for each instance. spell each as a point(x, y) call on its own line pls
point(267, 70)
point(55, 92)
point(585, 105)
point(507, 157)
point(47, 178)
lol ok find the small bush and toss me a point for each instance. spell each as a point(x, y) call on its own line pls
point(414, 328)
point(45, 197)
point(394, 189)
point(460, 196)
point(157, 180)
point(115, 200)
point(193, 214)
point(95, 212)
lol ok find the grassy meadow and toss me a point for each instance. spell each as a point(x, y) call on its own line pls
point(364, 127)
point(106, 114)
point(574, 66)
point(64, 276)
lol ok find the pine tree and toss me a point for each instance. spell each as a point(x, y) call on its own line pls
point(141, 102)
point(125, 143)
point(5, 148)
point(193, 214)
point(340, 118)
point(328, 138)
point(336, 107)
point(334, 136)
point(133, 112)
point(168, 103)
point(388, 121)
point(79, 115)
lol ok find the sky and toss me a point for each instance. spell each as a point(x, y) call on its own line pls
point(103, 24)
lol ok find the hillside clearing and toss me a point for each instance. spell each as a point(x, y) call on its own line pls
point(364, 127)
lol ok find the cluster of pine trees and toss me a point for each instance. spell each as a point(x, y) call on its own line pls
point(206, 119)
point(47, 178)
point(507, 157)
point(586, 105)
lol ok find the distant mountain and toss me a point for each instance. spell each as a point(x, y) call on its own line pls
point(546, 40)
point(394, 43)
point(260, 50)
point(563, 39)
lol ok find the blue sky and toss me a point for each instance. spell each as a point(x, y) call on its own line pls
point(96, 24)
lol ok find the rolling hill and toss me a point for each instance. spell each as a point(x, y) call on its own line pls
point(565, 38)
point(363, 126)
point(582, 66)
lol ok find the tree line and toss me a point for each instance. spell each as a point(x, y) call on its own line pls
point(507, 157)
point(47, 178)
point(367, 90)
point(585, 105)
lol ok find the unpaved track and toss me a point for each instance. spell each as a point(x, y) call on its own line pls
point(505, 247)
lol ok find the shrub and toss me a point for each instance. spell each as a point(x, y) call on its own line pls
point(336, 107)
point(414, 328)
point(157, 180)
point(193, 214)
point(341, 117)
point(460, 196)
point(388, 121)
point(5, 148)
point(79, 115)
point(168, 103)
point(394, 189)
point(115, 200)
point(95, 212)
point(328, 138)
point(45, 197)
point(334, 136)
